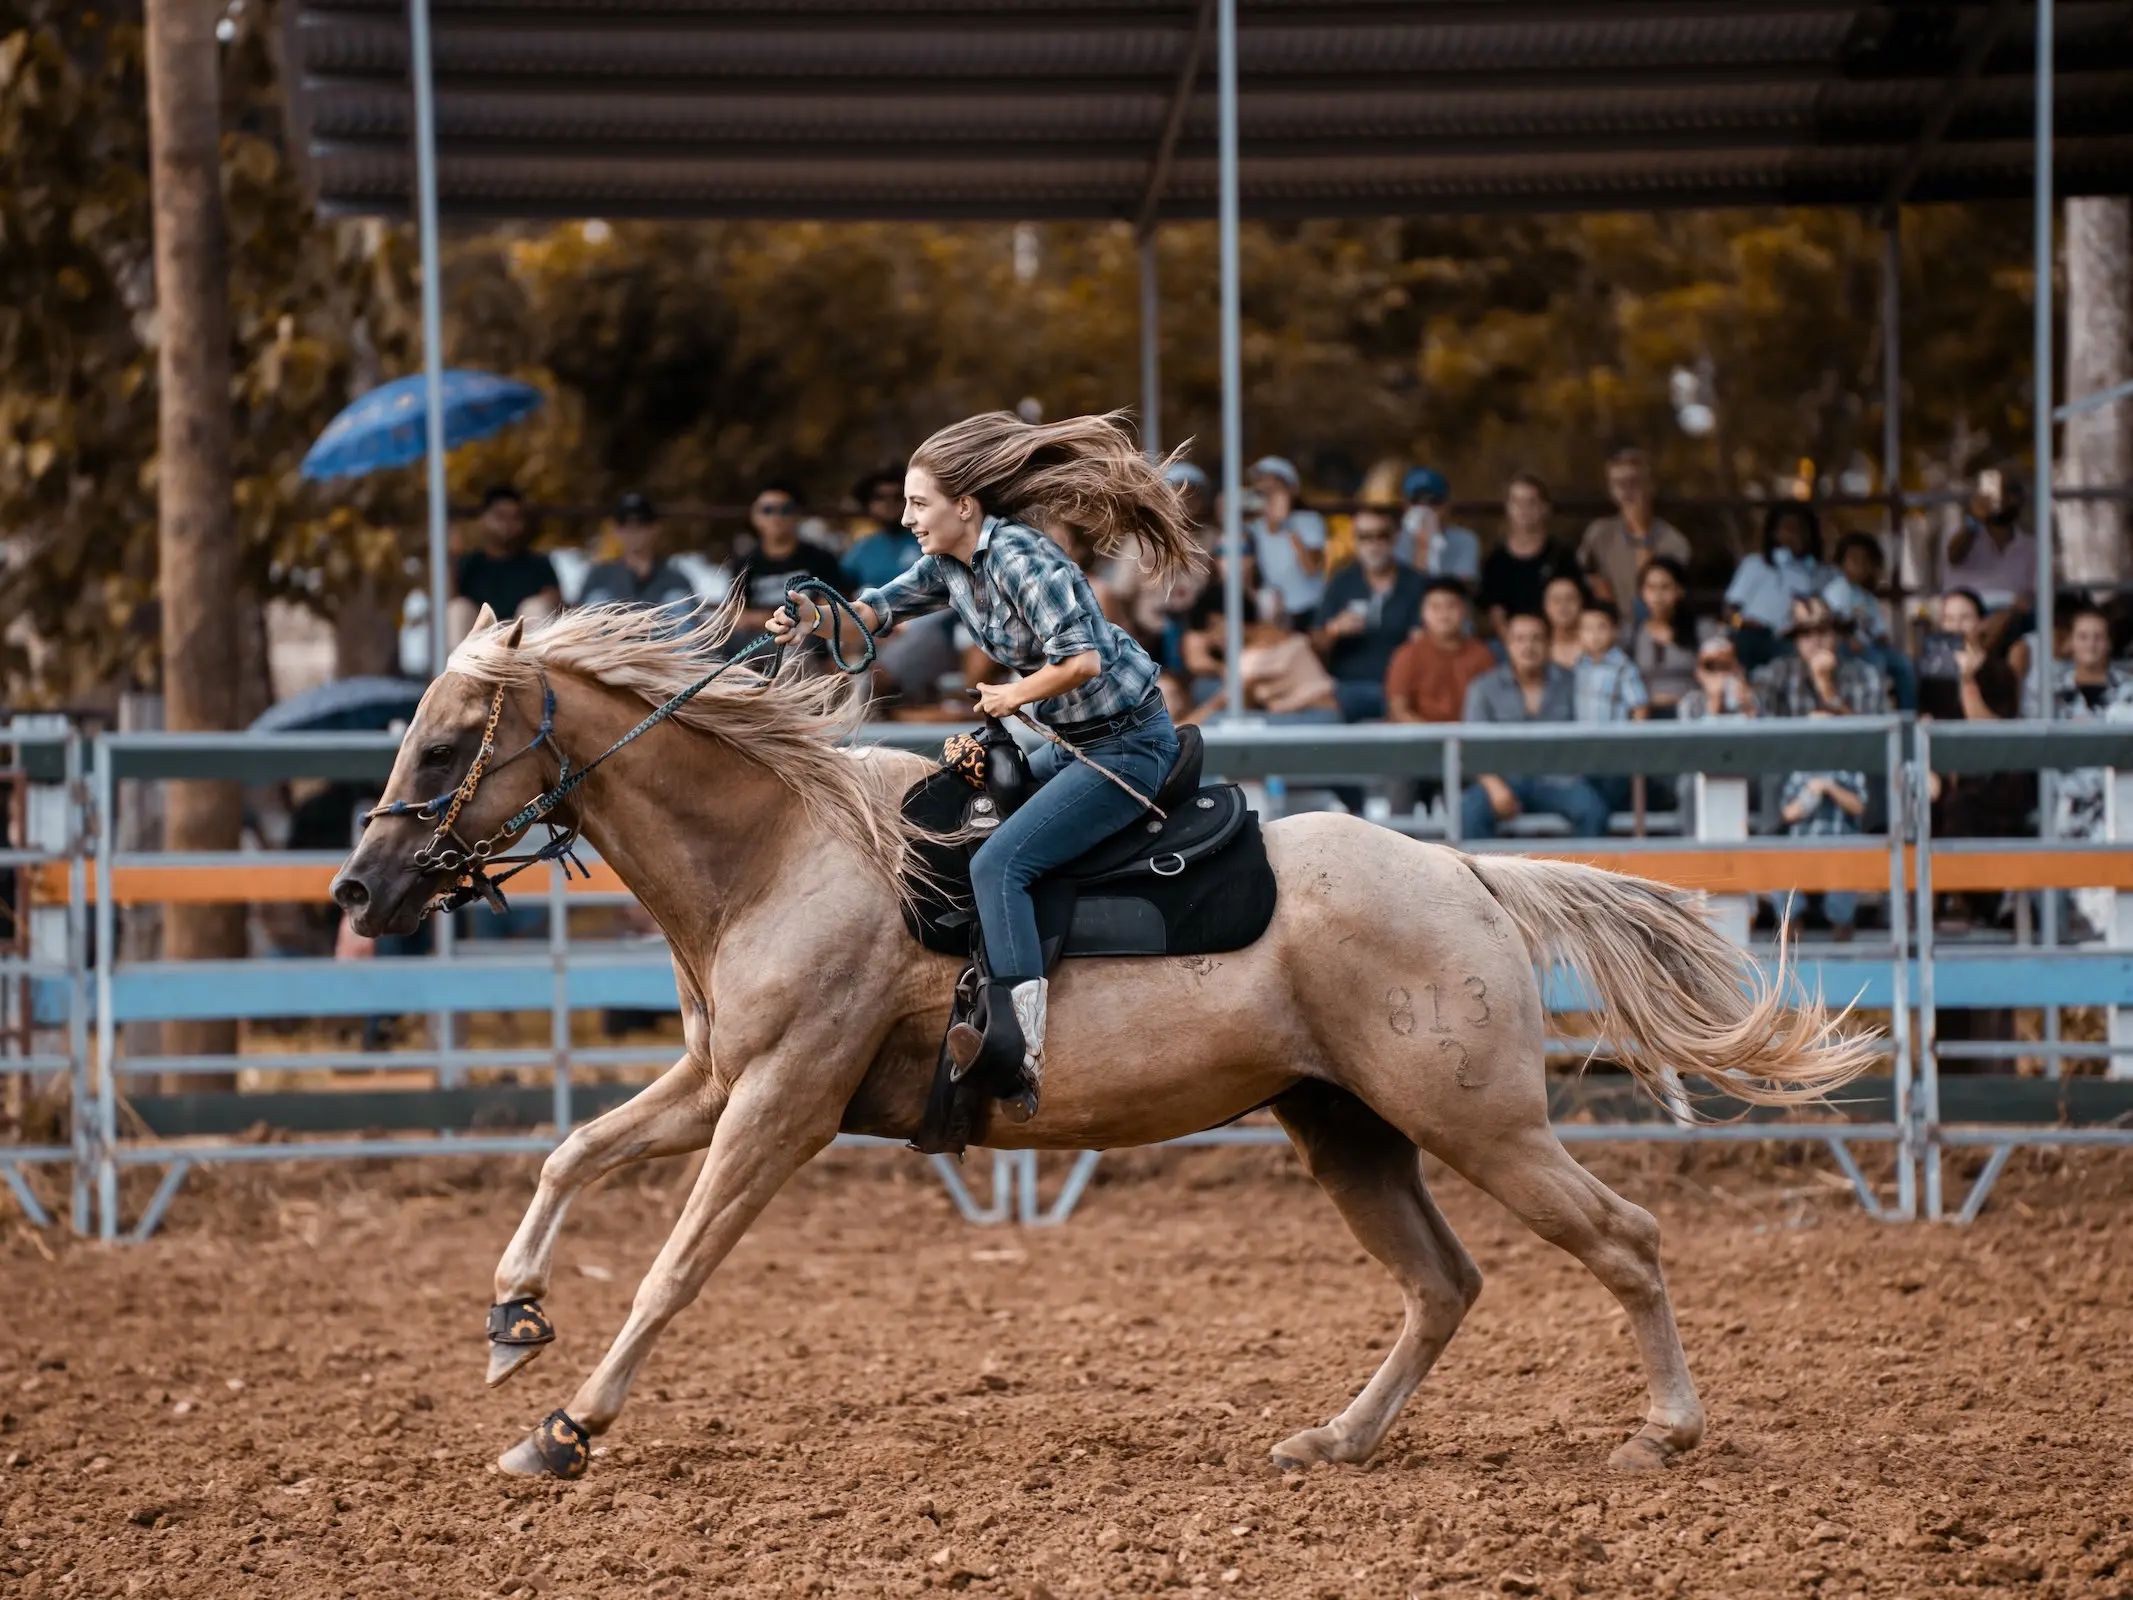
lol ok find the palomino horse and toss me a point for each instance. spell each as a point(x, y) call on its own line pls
point(1393, 1005)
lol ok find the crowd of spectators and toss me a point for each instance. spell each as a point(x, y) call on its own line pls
point(1394, 611)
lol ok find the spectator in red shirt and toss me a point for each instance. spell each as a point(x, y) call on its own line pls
point(1429, 673)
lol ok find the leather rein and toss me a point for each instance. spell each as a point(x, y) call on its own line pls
point(469, 865)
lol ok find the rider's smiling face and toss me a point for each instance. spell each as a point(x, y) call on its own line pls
point(946, 525)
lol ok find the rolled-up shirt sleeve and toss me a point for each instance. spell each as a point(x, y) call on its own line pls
point(916, 593)
point(1059, 609)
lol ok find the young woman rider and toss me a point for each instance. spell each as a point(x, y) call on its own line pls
point(1031, 609)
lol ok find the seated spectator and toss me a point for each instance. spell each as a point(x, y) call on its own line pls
point(1426, 542)
point(1428, 678)
point(2088, 686)
point(1204, 628)
point(1823, 805)
point(1854, 595)
point(1960, 675)
point(1665, 640)
point(1527, 688)
point(1989, 551)
point(882, 547)
point(1722, 689)
point(1759, 599)
point(1288, 540)
point(639, 576)
point(1609, 687)
point(1818, 675)
point(500, 572)
point(1283, 679)
point(1615, 549)
point(1562, 605)
point(768, 563)
point(1515, 575)
point(1369, 608)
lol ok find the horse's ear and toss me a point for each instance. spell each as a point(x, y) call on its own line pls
point(484, 619)
point(518, 632)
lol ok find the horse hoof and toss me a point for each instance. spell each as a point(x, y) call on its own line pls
point(1304, 1450)
point(506, 1359)
point(557, 1448)
point(1642, 1453)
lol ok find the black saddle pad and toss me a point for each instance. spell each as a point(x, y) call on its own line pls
point(1194, 883)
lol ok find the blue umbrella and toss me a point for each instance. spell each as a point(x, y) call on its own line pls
point(388, 427)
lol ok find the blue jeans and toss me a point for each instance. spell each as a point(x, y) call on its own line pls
point(1840, 906)
point(1361, 699)
point(1573, 799)
point(1073, 811)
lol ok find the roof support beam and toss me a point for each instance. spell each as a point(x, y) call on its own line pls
point(1166, 148)
point(1935, 127)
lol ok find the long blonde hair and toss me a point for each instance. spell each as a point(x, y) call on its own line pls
point(1084, 471)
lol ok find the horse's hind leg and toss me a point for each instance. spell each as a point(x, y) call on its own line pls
point(1531, 1173)
point(1372, 1173)
point(674, 1114)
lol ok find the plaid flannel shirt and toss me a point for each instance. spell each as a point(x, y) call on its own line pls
point(1610, 689)
point(1028, 605)
point(1828, 817)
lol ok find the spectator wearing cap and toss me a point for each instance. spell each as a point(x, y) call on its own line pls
point(1288, 539)
point(639, 576)
point(1721, 689)
point(1818, 675)
point(1527, 688)
point(882, 547)
point(1517, 572)
point(776, 556)
point(1760, 598)
point(1426, 542)
point(1615, 549)
point(1428, 678)
point(1367, 611)
point(500, 572)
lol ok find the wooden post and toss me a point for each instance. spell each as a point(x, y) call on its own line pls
point(2099, 356)
point(196, 534)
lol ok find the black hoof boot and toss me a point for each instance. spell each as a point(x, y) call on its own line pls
point(557, 1448)
point(519, 1330)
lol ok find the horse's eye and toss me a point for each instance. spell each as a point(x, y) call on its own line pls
point(437, 754)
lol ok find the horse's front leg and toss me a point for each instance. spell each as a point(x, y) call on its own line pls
point(781, 1113)
point(672, 1116)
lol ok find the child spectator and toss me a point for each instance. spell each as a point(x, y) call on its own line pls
point(1609, 687)
point(1823, 805)
point(1759, 599)
point(1854, 595)
point(1429, 675)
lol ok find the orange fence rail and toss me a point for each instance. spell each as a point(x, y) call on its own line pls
point(1719, 869)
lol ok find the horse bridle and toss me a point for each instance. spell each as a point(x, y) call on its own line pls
point(469, 864)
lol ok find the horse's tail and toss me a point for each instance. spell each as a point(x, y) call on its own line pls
point(1670, 992)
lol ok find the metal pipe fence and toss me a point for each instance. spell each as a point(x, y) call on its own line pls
point(565, 976)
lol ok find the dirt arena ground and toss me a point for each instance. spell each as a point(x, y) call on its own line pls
point(281, 1396)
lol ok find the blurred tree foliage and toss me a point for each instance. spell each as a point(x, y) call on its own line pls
point(692, 360)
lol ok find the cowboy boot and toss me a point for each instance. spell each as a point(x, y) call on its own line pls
point(1028, 999)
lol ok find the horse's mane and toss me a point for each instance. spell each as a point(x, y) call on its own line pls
point(792, 722)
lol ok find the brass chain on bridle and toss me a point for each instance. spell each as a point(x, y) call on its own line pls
point(468, 866)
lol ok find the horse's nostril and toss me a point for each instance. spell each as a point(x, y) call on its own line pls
point(350, 894)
